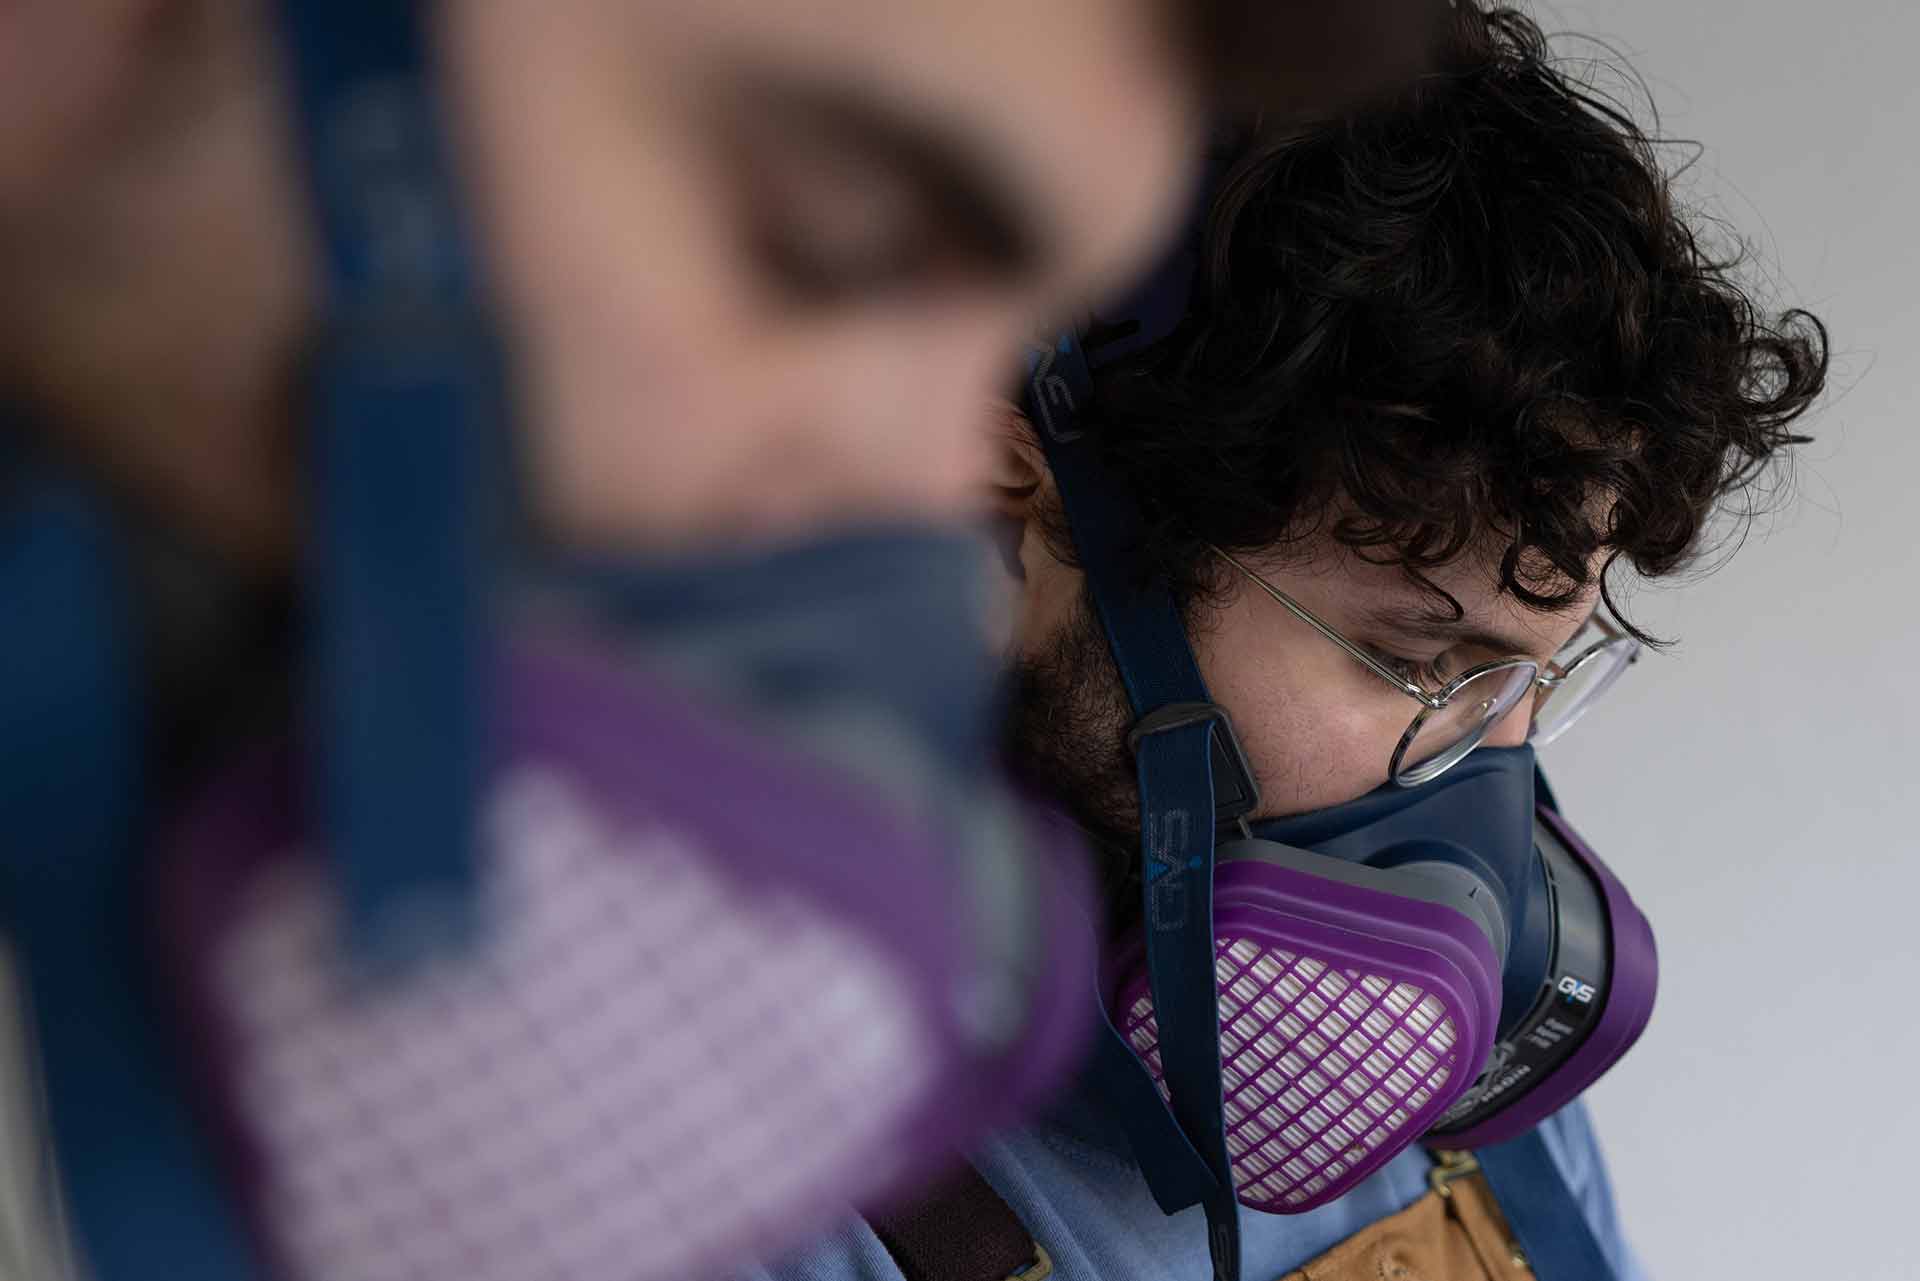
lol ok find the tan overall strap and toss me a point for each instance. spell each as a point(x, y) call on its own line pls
point(1453, 1233)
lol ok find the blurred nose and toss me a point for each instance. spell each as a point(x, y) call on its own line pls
point(924, 408)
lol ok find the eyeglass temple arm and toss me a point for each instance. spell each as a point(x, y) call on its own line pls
point(1611, 634)
point(1306, 616)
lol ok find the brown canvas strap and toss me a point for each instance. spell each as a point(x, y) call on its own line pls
point(961, 1231)
point(1453, 1233)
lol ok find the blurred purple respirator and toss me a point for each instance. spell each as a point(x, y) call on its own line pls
point(721, 992)
point(620, 920)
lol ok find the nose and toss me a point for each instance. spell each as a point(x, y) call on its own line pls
point(921, 403)
point(1516, 726)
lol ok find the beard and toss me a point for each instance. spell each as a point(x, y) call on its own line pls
point(1065, 736)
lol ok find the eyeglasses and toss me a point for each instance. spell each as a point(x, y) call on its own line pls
point(1453, 720)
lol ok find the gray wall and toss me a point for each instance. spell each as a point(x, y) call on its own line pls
point(1755, 787)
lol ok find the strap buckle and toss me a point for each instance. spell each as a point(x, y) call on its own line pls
point(1235, 793)
point(1449, 1168)
point(1041, 1269)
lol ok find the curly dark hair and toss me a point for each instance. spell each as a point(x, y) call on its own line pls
point(1470, 317)
point(1289, 57)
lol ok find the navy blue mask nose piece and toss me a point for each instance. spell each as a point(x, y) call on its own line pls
point(1479, 813)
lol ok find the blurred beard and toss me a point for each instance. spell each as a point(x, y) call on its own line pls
point(1065, 736)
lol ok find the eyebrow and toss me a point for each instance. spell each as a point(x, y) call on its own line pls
point(1434, 622)
point(973, 198)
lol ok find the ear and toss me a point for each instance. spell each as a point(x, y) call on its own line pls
point(1020, 473)
point(1024, 519)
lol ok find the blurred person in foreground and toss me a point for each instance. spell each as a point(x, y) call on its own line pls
point(1450, 368)
point(363, 935)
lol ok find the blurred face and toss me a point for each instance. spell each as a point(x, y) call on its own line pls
point(763, 260)
point(1318, 728)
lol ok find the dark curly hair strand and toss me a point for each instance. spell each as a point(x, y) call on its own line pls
point(1472, 313)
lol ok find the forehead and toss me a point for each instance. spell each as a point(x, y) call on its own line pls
point(1354, 590)
point(1079, 102)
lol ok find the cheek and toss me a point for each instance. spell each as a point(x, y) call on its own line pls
point(1308, 750)
point(589, 188)
point(1050, 597)
point(1309, 733)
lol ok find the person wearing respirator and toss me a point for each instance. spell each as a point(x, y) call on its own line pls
point(1314, 537)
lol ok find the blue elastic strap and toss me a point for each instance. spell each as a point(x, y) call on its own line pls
point(1143, 626)
point(1176, 809)
point(408, 464)
point(141, 1191)
point(1546, 1217)
point(1175, 1172)
point(1149, 643)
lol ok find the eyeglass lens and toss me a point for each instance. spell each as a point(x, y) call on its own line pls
point(1441, 737)
point(1591, 676)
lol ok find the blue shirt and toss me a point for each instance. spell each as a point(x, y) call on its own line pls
point(1072, 1182)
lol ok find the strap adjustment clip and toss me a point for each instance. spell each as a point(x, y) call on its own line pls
point(1450, 1167)
point(1235, 793)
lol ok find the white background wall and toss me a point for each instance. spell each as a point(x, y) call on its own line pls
point(1756, 787)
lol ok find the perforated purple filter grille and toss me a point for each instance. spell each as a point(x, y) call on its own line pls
point(1321, 1069)
point(715, 1003)
point(1349, 1022)
point(555, 1105)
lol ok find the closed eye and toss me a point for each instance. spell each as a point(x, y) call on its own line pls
point(849, 194)
point(1430, 674)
